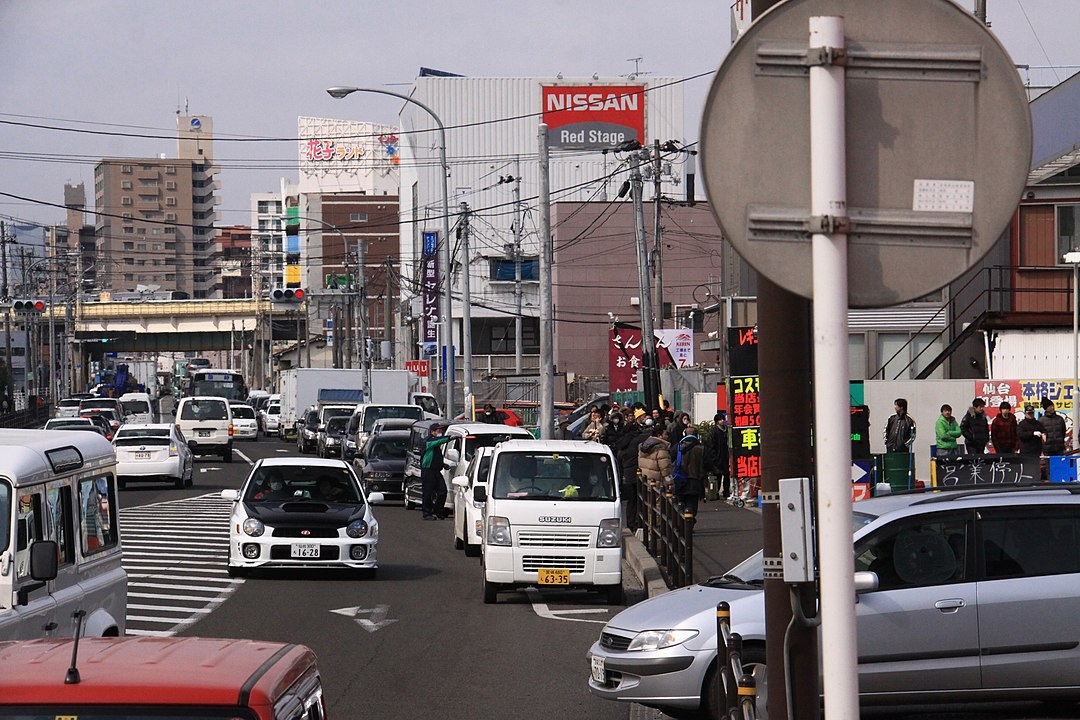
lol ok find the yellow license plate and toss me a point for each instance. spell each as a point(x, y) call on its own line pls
point(553, 576)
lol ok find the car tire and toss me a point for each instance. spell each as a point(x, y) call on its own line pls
point(179, 483)
point(613, 594)
point(753, 662)
point(491, 592)
point(472, 550)
point(227, 455)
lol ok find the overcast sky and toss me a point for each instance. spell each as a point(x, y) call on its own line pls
point(128, 66)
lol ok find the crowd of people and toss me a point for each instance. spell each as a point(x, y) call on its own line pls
point(664, 445)
point(975, 432)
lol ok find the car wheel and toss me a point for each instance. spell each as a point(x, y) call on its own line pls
point(753, 663)
point(472, 550)
point(179, 482)
point(459, 544)
point(613, 594)
point(227, 455)
point(491, 592)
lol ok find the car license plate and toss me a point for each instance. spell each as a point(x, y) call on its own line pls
point(305, 550)
point(142, 455)
point(204, 433)
point(599, 674)
point(553, 576)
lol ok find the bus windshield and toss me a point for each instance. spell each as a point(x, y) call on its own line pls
point(219, 383)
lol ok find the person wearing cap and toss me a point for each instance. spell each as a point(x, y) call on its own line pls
point(1029, 432)
point(975, 428)
point(691, 459)
point(1053, 427)
point(433, 488)
point(1003, 431)
point(563, 433)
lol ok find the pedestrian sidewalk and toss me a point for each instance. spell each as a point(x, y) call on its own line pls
point(723, 537)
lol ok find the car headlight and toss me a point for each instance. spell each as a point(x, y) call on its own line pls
point(610, 533)
point(253, 527)
point(498, 530)
point(357, 529)
point(659, 639)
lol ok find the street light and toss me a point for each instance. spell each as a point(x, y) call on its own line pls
point(1073, 258)
point(448, 339)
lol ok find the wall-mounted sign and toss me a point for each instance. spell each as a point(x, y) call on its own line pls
point(593, 117)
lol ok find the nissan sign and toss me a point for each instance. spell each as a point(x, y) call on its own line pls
point(593, 117)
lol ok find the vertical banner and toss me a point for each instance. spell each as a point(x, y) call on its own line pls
point(624, 358)
point(292, 242)
point(745, 398)
point(430, 267)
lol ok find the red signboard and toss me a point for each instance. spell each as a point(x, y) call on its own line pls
point(593, 117)
point(418, 367)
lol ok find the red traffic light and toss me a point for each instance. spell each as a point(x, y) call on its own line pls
point(39, 306)
point(298, 294)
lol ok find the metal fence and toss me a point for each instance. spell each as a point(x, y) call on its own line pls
point(668, 533)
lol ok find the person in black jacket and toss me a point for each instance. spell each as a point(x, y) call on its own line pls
point(975, 427)
point(1053, 426)
point(1030, 432)
point(717, 455)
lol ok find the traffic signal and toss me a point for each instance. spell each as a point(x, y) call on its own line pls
point(28, 307)
point(287, 295)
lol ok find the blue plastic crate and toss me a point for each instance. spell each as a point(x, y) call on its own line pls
point(1062, 468)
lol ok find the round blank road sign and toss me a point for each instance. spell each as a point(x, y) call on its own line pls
point(938, 145)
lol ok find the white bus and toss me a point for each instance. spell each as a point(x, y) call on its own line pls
point(228, 384)
point(59, 540)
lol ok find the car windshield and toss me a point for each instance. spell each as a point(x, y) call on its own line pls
point(472, 442)
point(584, 476)
point(141, 440)
point(69, 403)
point(336, 425)
point(381, 448)
point(372, 414)
point(136, 407)
point(204, 410)
point(300, 483)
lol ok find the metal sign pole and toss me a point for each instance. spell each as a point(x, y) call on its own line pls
point(828, 217)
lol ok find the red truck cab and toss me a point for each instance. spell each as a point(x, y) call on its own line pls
point(174, 677)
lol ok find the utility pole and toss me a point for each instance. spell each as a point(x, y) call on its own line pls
point(466, 312)
point(547, 321)
point(648, 337)
point(362, 330)
point(658, 245)
point(518, 339)
point(387, 310)
point(6, 296)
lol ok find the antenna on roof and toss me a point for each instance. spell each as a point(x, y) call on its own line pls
point(72, 677)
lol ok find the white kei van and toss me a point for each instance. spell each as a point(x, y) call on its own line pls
point(552, 518)
point(206, 423)
point(60, 554)
point(138, 408)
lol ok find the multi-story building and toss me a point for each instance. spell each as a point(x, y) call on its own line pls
point(155, 217)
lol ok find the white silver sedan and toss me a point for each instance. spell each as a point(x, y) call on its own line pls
point(245, 423)
point(152, 452)
point(469, 514)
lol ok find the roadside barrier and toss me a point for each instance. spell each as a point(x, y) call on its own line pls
point(667, 532)
point(737, 691)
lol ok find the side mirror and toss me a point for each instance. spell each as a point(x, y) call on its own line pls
point(461, 481)
point(479, 493)
point(43, 562)
point(233, 495)
point(375, 498)
point(865, 581)
point(451, 456)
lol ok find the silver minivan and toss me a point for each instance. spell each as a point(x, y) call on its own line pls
point(961, 595)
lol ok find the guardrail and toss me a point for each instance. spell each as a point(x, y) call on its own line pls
point(737, 699)
point(668, 533)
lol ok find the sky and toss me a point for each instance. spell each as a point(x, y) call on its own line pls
point(86, 79)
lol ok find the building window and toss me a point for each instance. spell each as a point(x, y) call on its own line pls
point(125, 201)
point(170, 185)
point(357, 217)
point(502, 270)
point(129, 231)
point(495, 336)
point(1068, 238)
point(125, 185)
point(140, 231)
point(146, 167)
point(170, 230)
point(170, 201)
point(129, 247)
point(125, 168)
point(171, 217)
point(127, 217)
point(170, 169)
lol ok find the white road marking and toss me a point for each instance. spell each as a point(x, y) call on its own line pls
point(541, 608)
point(376, 619)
